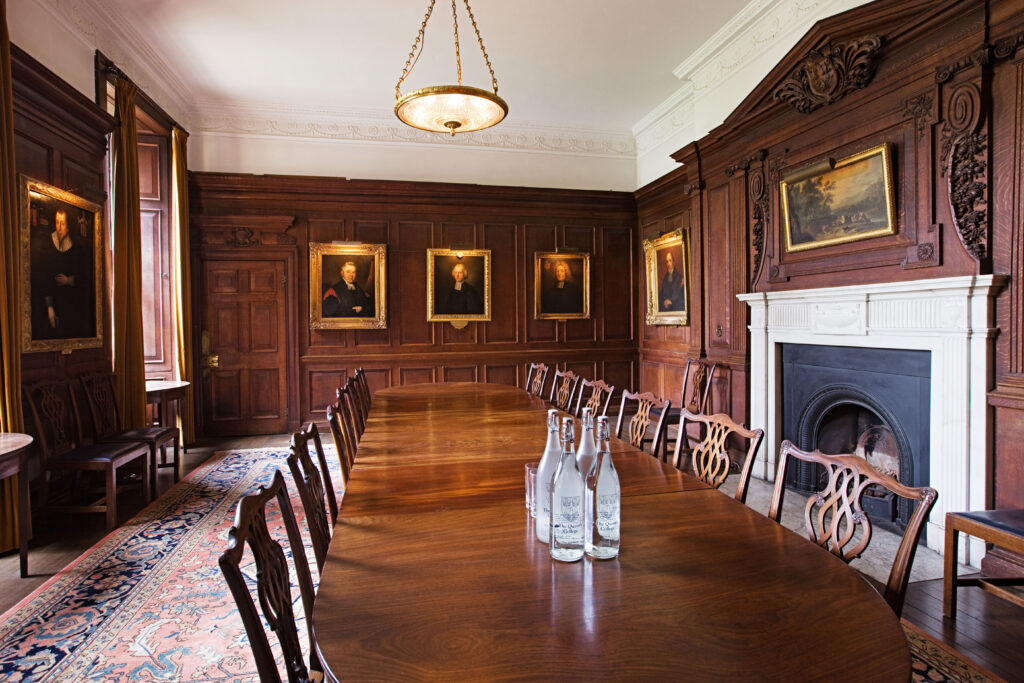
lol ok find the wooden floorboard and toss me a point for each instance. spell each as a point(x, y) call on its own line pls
point(988, 630)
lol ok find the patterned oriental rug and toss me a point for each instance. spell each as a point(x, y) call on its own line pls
point(149, 603)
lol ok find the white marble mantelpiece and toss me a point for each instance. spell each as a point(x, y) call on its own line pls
point(952, 318)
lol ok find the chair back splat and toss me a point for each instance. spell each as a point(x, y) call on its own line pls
point(343, 439)
point(272, 581)
point(600, 397)
point(835, 520)
point(535, 379)
point(649, 410)
point(711, 458)
point(312, 483)
point(563, 389)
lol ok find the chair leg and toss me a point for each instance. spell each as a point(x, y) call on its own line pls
point(148, 475)
point(177, 459)
point(154, 468)
point(111, 489)
point(950, 570)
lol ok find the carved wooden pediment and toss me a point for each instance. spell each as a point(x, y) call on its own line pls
point(828, 74)
point(243, 231)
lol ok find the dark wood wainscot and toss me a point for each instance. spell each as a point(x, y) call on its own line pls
point(254, 231)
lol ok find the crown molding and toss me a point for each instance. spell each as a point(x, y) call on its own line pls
point(742, 41)
point(101, 27)
point(323, 123)
point(668, 120)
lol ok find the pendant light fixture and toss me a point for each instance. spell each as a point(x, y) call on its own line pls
point(449, 108)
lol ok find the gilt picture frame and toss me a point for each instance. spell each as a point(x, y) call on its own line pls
point(561, 286)
point(347, 286)
point(61, 269)
point(846, 202)
point(667, 261)
point(452, 300)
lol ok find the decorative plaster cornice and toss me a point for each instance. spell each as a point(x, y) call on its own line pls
point(665, 121)
point(105, 29)
point(743, 39)
point(253, 119)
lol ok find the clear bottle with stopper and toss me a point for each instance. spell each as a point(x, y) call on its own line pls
point(567, 494)
point(587, 453)
point(603, 501)
point(545, 473)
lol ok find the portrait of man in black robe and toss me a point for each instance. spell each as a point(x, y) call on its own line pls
point(562, 285)
point(346, 298)
point(463, 298)
point(458, 285)
point(671, 292)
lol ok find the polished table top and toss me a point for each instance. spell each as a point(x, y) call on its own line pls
point(434, 571)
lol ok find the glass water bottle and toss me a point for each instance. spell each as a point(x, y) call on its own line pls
point(603, 501)
point(587, 453)
point(545, 473)
point(567, 491)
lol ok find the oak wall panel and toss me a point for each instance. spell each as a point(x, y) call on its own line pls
point(411, 218)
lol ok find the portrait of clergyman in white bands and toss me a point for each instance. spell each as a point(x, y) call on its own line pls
point(60, 260)
point(458, 285)
point(561, 285)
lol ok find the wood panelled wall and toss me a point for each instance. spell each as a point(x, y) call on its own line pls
point(60, 138)
point(242, 217)
point(941, 82)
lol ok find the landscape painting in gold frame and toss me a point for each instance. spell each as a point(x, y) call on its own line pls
point(668, 278)
point(849, 202)
point(561, 286)
point(61, 269)
point(347, 286)
point(458, 285)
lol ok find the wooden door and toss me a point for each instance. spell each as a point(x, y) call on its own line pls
point(243, 366)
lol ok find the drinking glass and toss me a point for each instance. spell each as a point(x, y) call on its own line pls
point(531, 488)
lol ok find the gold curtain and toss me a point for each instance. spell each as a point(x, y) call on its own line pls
point(11, 419)
point(129, 363)
point(180, 258)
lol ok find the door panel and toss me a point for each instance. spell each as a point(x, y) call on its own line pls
point(243, 314)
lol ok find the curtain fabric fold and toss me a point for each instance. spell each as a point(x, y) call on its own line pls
point(129, 363)
point(180, 258)
point(11, 419)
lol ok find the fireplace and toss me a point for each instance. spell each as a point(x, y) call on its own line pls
point(872, 402)
point(950, 319)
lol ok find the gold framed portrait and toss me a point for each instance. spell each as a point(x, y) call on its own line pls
point(830, 204)
point(61, 269)
point(458, 285)
point(667, 260)
point(347, 286)
point(561, 287)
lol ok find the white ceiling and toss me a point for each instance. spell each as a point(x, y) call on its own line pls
point(597, 65)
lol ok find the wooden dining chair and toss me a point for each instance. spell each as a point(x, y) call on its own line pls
point(348, 401)
point(273, 583)
point(363, 389)
point(834, 516)
point(56, 419)
point(358, 411)
point(535, 379)
point(106, 423)
point(648, 408)
point(316, 490)
point(563, 389)
point(711, 458)
point(343, 438)
point(600, 397)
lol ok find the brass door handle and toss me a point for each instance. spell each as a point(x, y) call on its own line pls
point(210, 361)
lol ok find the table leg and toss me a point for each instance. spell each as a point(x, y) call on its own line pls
point(24, 510)
point(949, 570)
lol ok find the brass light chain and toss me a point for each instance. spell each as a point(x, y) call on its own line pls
point(419, 42)
point(494, 80)
point(458, 57)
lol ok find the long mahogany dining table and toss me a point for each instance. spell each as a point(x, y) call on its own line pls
point(434, 572)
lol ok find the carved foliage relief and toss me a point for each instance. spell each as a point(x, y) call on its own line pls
point(829, 74)
point(965, 165)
